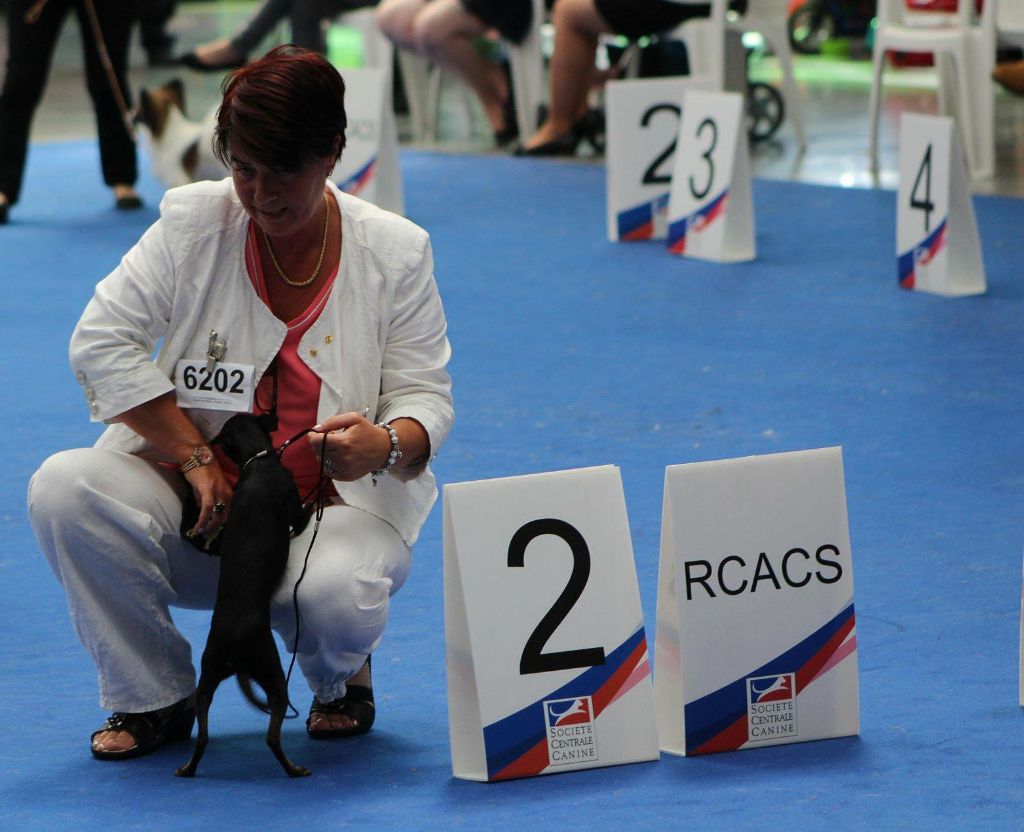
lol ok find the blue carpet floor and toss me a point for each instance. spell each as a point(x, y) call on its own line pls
point(572, 351)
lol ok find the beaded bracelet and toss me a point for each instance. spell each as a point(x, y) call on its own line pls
point(393, 456)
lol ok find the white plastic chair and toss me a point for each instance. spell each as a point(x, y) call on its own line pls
point(377, 49)
point(705, 44)
point(422, 81)
point(526, 61)
point(964, 50)
point(1010, 23)
point(417, 78)
point(768, 18)
point(709, 54)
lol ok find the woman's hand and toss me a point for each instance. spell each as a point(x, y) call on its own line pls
point(355, 446)
point(213, 496)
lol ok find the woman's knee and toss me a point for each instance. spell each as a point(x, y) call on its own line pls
point(580, 16)
point(442, 22)
point(90, 488)
point(347, 602)
point(61, 482)
point(396, 20)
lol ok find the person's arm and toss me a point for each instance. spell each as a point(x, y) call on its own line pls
point(415, 389)
point(166, 427)
point(357, 447)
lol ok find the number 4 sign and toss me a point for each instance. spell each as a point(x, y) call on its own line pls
point(710, 209)
point(547, 657)
point(937, 245)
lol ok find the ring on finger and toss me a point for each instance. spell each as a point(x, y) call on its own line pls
point(219, 507)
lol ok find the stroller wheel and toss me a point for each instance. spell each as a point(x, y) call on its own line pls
point(765, 111)
point(809, 26)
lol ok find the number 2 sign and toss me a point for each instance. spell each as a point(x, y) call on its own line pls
point(643, 123)
point(937, 244)
point(547, 655)
point(710, 209)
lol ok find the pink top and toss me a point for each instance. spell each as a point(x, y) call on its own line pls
point(298, 387)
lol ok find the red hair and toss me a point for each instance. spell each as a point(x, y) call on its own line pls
point(285, 110)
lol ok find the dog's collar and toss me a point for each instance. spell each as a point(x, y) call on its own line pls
point(277, 451)
point(253, 458)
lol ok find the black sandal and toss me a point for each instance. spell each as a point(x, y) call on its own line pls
point(150, 730)
point(356, 704)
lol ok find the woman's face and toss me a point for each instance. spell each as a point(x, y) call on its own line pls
point(280, 202)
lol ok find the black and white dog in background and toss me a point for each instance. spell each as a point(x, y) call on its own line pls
point(180, 149)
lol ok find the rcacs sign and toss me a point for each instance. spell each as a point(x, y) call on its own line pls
point(756, 638)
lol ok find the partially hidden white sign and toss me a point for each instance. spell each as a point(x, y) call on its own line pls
point(710, 208)
point(368, 167)
point(937, 245)
point(548, 668)
point(1020, 689)
point(756, 638)
point(643, 125)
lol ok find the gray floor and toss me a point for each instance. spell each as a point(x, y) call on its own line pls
point(834, 98)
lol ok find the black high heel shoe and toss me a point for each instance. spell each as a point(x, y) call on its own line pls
point(591, 127)
point(192, 61)
point(564, 145)
point(510, 132)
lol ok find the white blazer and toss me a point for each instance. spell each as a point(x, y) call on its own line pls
point(380, 341)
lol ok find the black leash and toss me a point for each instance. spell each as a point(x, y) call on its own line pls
point(321, 502)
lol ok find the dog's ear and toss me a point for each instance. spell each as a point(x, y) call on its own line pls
point(177, 90)
point(141, 115)
point(268, 421)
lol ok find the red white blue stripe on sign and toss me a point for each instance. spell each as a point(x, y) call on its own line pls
point(360, 179)
point(516, 746)
point(921, 254)
point(718, 721)
point(637, 223)
point(697, 221)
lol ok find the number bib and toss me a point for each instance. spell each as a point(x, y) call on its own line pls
point(224, 387)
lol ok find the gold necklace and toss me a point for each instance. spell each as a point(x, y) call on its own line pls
point(300, 284)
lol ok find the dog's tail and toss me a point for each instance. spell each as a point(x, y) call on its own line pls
point(245, 685)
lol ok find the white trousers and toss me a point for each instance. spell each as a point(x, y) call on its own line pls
point(108, 522)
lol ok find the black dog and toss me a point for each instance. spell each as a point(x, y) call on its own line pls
point(253, 549)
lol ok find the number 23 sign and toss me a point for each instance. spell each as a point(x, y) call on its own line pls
point(547, 656)
point(643, 123)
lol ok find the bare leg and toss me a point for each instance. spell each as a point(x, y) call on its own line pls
point(396, 19)
point(1010, 76)
point(446, 33)
point(577, 27)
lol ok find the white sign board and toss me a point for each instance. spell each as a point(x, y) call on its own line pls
point(548, 668)
point(643, 124)
point(710, 208)
point(937, 245)
point(368, 167)
point(756, 641)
